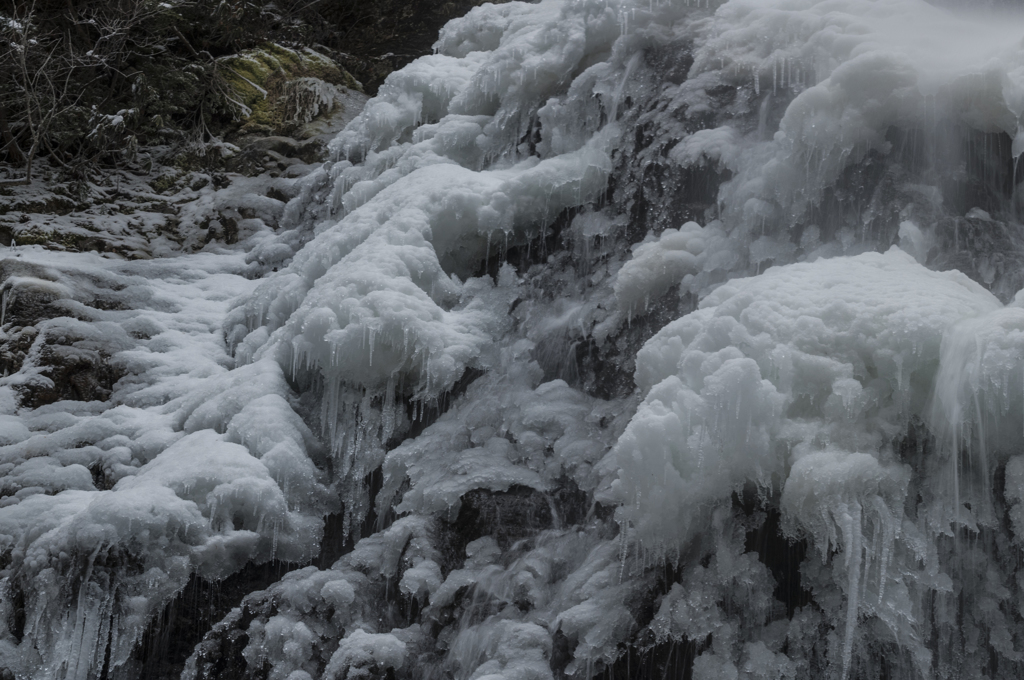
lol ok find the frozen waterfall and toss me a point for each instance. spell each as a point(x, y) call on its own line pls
point(618, 338)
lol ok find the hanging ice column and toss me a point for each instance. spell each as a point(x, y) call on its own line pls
point(977, 413)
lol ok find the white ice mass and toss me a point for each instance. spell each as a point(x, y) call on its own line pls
point(618, 338)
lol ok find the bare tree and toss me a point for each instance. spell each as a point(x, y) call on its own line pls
point(46, 72)
point(38, 85)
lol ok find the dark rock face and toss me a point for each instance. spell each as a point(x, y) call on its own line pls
point(275, 153)
point(219, 655)
point(507, 516)
point(24, 306)
point(209, 620)
point(74, 373)
point(69, 365)
point(15, 348)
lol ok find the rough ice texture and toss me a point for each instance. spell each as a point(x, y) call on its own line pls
point(812, 469)
point(381, 306)
point(110, 507)
point(840, 353)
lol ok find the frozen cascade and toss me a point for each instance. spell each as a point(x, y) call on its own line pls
point(618, 338)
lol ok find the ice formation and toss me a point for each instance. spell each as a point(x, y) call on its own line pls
point(624, 337)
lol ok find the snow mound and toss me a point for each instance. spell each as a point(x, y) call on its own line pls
point(839, 353)
point(802, 380)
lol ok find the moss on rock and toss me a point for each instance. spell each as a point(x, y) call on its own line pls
point(259, 80)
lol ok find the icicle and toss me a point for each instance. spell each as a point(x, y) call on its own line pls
point(388, 411)
point(7, 297)
point(850, 520)
point(888, 531)
point(631, 65)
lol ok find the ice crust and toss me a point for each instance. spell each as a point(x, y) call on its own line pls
point(802, 379)
point(840, 353)
point(504, 293)
point(110, 507)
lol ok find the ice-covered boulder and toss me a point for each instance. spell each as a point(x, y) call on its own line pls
point(839, 353)
point(801, 381)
